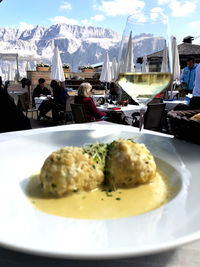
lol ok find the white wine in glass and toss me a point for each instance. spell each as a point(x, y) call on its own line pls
point(146, 38)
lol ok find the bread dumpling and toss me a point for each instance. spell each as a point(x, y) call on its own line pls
point(70, 169)
point(129, 163)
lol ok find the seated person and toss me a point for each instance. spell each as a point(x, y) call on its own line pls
point(115, 90)
point(84, 97)
point(120, 94)
point(40, 89)
point(125, 96)
point(59, 99)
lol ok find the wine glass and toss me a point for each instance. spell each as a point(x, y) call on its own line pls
point(145, 58)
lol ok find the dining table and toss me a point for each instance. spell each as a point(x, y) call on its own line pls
point(186, 255)
point(127, 110)
point(40, 99)
point(171, 104)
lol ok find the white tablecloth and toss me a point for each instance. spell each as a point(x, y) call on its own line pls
point(38, 100)
point(184, 256)
point(127, 110)
point(173, 103)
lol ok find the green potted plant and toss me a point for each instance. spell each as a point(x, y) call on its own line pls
point(66, 67)
point(42, 67)
point(86, 68)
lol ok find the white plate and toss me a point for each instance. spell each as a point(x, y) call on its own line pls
point(24, 228)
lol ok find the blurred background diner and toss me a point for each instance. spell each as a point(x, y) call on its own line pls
point(84, 98)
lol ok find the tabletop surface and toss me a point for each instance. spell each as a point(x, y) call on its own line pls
point(125, 108)
point(187, 255)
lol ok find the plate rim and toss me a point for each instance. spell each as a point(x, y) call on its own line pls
point(109, 254)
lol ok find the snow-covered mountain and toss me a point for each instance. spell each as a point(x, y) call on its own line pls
point(78, 45)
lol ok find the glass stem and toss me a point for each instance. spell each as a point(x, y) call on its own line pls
point(141, 124)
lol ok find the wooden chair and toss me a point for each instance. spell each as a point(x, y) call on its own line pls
point(69, 101)
point(66, 114)
point(154, 116)
point(78, 113)
point(23, 103)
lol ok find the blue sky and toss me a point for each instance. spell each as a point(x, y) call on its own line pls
point(183, 15)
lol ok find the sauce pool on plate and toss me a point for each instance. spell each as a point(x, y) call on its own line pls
point(103, 203)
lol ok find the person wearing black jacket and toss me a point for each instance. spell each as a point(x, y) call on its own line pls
point(59, 99)
point(40, 89)
point(11, 117)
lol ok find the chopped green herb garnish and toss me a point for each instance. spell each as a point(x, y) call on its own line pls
point(98, 152)
point(75, 190)
point(53, 185)
point(118, 198)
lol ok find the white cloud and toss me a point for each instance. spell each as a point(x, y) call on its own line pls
point(155, 12)
point(62, 19)
point(163, 2)
point(92, 20)
point(98, 17)
point(25, 26)
point(180, 8)
point(66, 6)
point(157, 9)
point(121, 7)
point(194, 24)
point(86, 22)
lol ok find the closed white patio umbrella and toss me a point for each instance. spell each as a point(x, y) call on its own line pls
point(1, 73)
point(112, 71)
point(28, 66)
point(115, 69)
point(175, 65)
point(128, 63)
point(11, 74)
point(57, 72)
point(164, 66)
point(106, 70)
point(175, 61)
point(145, 65)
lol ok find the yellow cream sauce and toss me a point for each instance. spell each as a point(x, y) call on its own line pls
point(102, 204)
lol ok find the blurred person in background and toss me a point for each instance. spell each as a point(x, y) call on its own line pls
point(59, 99)
point(40, 89)
point(84, 98)
point(187, 76)
point(195, 100)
